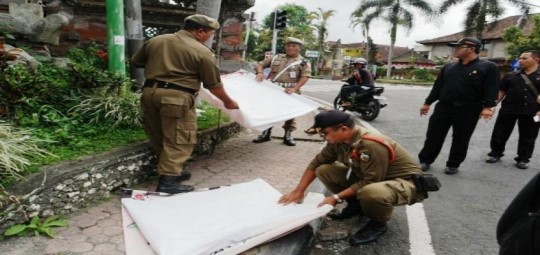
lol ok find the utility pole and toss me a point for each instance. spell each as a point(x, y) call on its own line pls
point(135, 38)
point(115, 36)
point(251, 19)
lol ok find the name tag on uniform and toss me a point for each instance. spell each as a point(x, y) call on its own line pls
point(292, 74)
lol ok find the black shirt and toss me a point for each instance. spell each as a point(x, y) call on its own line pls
point(363, 79)
point(473, 83)
point(520, 99)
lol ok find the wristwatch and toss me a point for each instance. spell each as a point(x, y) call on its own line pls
point(337, 198)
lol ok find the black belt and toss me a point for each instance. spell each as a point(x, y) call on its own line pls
point(168, 85)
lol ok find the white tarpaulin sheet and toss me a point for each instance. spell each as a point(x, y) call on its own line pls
point(262, 104)
point(228, 220)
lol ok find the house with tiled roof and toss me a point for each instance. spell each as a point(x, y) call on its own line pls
point(413, 59)
point(493, 48)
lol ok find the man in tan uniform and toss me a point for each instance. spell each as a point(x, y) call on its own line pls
point(370, 171)
point(175, 65)
point(291, 72)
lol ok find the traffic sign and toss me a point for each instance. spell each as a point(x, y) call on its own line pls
point(312, 53)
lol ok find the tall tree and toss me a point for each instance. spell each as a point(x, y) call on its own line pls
point(478, 12)
point(396, 12)
point(297, 26)
point(364, 20)
point(321, 17)
point(517, 41)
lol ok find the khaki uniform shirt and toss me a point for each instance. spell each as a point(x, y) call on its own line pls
point(180, 59)
point(291, 75)
point(369, 160)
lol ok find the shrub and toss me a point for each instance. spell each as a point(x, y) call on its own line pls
point(17, 148)
point(422, 74)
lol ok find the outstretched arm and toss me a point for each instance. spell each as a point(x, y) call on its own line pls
point(220, 93)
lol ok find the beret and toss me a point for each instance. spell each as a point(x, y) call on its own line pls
point(467, 41)
point(294, 40)
point(203, 20)
point(330, 118)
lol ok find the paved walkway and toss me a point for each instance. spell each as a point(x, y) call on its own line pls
point(98, 230)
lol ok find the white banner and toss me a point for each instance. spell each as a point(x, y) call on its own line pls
point(262, 104)
point(227, 220)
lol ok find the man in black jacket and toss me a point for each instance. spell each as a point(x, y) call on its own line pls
point(466, 90)
point(519, 103)
point(361, 80)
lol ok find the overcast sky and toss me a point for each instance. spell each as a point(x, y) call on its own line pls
point(424, 28)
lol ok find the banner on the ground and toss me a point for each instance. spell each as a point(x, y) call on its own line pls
point(222, 221)
point(262, 104)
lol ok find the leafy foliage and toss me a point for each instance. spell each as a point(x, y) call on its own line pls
point(478, 11)
point(17, 148)
point(517, 41)
point(395, 12)
point(210, 117)
point(299, 25)
point(37, 227)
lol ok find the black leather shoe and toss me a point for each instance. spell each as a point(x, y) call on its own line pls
point(264, 137)
point(451, 170)
point(288, 139)
point(186, 175)
point(352, 209)
point(424, 166)
point(368, 233)
point(522, 165)
point(492, 159)
point(168, 184)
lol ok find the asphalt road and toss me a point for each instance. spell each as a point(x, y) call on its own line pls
point(462, 217)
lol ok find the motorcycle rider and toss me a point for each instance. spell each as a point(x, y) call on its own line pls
point(361, 80)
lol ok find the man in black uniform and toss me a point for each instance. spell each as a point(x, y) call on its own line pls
point(465, 90)
point(519, 104)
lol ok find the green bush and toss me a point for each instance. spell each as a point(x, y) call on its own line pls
point(422, 74)
point(56, 114)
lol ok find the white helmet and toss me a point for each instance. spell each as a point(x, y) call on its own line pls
point(362, 61)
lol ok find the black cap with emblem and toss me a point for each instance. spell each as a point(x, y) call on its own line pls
point(330, 118)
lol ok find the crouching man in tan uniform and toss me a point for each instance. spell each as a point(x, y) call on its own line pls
point(370, 171)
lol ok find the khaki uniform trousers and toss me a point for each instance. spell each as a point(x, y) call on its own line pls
point(290, 124)
point(377, 199)
point(170, 122)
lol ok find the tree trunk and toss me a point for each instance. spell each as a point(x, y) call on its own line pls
point(391, 51)
point(135, 38)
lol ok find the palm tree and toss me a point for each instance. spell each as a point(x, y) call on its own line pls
point(396, 13)
point(322, 31)
point(478, 11)
point(364, 21)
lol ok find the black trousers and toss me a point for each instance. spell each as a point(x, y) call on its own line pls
point(346, 91)
point(528, 131)
point(462, 119)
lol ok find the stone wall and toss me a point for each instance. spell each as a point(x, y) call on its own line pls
point(66, 187)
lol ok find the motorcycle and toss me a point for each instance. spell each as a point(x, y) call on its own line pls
point(366, 103)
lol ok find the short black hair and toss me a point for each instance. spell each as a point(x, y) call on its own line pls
point(534, 53)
